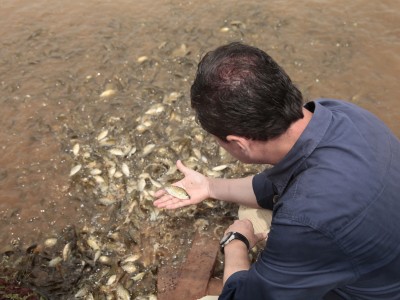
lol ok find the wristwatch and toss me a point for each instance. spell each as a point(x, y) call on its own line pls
point(233, 235)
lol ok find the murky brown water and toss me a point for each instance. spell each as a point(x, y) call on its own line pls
point(56, 58)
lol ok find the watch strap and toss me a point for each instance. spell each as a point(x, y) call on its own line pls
point(235, 236)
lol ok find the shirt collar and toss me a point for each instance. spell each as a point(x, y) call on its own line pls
point(282, 172)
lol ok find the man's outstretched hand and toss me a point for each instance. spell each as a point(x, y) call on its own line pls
point(196, 185)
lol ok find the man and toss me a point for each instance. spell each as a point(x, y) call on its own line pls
point(334, 185)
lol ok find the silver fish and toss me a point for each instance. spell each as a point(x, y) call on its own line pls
point(75, 170)
point(177, 192)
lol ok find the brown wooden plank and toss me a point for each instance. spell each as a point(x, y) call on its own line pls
point(214, 286)
point(191, 281)
point(198, 268)
point(167, 279)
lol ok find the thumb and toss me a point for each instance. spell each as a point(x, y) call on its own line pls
point(262, 236)
point(181, 167)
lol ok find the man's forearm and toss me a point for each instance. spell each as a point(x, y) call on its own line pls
point(238, 191)
point(236, 258)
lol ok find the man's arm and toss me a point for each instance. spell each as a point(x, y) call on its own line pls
point(236, 258)
point(236, 252)
point(239, 191)
point(298, 263)
point(200, 187)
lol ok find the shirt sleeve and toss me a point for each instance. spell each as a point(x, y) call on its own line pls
point(297, 263)
point(264, 191)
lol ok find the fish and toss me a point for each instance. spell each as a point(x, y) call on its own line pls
point(95, 172)
point(177, 192)
point(50, 242)
point(129, 267)
point(55, 261)
point(111, 280)
point(122, 293)
point(75, 149)
point(220, 168)
point(125, 169)
point(107, 93)
point(66, 251)
point(102, 135)
point(75, 170)
point(117, 152)
point(142, 59)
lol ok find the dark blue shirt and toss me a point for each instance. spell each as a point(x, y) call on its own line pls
point(336, 213)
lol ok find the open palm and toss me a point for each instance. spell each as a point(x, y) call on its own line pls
point(195, 184)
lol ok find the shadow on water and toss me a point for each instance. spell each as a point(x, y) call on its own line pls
point(102, 88)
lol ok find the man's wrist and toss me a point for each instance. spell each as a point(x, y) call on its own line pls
point(211, 188)
point(236, 244)
point(231, 237)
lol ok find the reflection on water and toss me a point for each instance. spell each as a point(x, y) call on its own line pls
point(56, 60)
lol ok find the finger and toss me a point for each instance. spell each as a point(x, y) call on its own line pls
point(246, 222)
point(262, 236)
point(181, 167)
point(163, 201)
point(159, 193)
point(169, 202)
point(177, 204)
point(168, 205)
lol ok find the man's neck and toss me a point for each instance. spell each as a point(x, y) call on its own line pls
point(273, 151)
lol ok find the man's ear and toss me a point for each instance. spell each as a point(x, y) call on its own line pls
point(241, 142)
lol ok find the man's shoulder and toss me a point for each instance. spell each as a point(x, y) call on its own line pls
point(327, 197)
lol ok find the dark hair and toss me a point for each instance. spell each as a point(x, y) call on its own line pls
point(241, 90)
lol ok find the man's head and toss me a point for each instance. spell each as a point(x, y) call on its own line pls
point(240, 90)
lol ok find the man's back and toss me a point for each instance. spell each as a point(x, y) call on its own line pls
point(335, 225)
point(363, 212)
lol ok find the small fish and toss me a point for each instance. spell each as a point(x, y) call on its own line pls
point(111, 280)
point(75, 170)
point(105, 260)
point(129, 267)
point(75, 149)
point(141, 184)
point(66, 251)
point(125, 169)
point(102, 135)
point(131, 258)
point(93, 243)
point(117, 152)
point(89, 296)
point(97, 254)
point(131, 152)
point(82, 292)
point(138, 276)
point(55, 261)
point(108, 200)
point(177, 192)
point(122, 293)
point(142, 59)
point(155, 110)
point(148, 149)
point(118, 174)
point(50, 242)
point(219, 168)
point(111, 171)
point(95, 172)
point(107, 93)
point(98, 179)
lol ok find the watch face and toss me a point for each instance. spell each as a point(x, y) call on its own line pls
point(225, 238)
